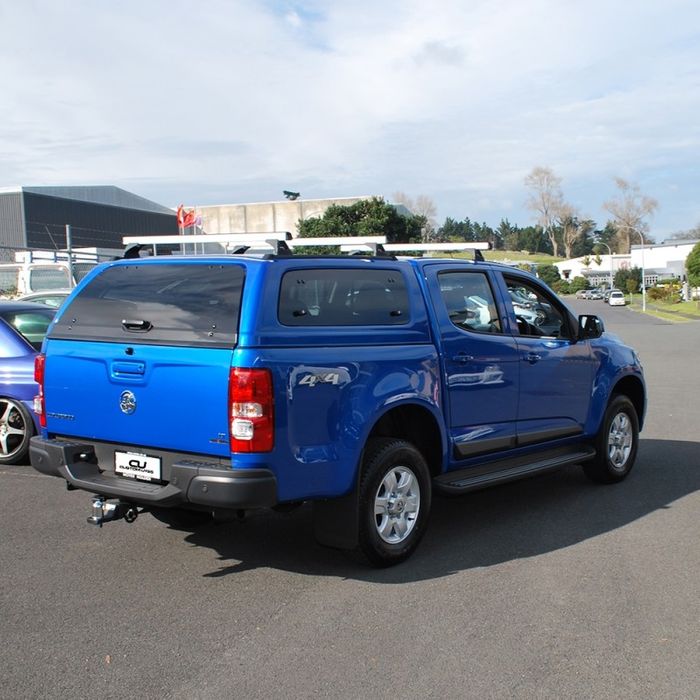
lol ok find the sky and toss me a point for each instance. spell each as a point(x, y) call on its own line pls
point(222, 102)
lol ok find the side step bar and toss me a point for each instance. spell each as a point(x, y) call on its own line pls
point(479, 477)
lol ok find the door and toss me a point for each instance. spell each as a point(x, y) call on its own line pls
point(556, 370)
point(481, 362)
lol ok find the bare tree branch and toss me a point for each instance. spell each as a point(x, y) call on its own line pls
point(629, 212)
point(545, 200)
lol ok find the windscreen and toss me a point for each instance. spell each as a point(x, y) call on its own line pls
point(163, 304)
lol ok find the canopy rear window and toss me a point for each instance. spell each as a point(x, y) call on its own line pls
point(356, 297)
point(163, 304)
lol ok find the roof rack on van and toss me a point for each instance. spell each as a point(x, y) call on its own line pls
point(212, 243)
point(357, 245)
point(377, 245)
point(475, 246)
point(282, 244)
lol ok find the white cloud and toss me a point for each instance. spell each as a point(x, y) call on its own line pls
point(195, 101)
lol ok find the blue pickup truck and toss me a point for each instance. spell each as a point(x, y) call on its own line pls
point(203, 386)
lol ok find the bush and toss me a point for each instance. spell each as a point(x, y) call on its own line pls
point(669, 293)
point(622, 276)
point(577, 284)
point(561, 286)
point(549, 274)
point(692, 264)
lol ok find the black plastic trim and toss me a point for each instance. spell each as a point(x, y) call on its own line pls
point(475, 447)
point(191, 481)
point(533, 436)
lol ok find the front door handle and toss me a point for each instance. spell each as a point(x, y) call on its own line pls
point(533, 357)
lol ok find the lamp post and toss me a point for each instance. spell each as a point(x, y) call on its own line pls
point(611, 261)
point(644, 287)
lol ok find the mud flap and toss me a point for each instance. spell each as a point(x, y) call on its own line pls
point(336, 521)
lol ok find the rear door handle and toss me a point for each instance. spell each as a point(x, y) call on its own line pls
point(462, 357)
point(128, 369)
point(136, 325)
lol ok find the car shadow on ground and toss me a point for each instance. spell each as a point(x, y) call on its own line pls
point(517, 520)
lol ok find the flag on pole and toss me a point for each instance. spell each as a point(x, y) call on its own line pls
point(185, 218)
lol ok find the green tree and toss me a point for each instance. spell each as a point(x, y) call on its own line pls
point(692, 264)
point(577, 284)
point(509, 235)
point(621, 277)
point(453, 230)
point(549, 274)
point(533, 240)
point(369, 217)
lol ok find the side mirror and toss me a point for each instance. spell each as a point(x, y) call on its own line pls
point(590, 327)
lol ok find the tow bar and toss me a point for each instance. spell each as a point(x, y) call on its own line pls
point(104, 511)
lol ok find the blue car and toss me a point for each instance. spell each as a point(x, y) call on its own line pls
point(23, 326)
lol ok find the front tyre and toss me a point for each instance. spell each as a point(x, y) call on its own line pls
point(394, 501)
point(616, 443)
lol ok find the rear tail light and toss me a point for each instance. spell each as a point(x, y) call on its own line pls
point(251, 410)
point(39, 403)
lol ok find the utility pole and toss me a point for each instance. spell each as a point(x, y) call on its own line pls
point(644, 286)
point(69, 248)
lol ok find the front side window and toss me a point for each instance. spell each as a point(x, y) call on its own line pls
point(343, 298)
point(469, 301)
point(536, 313)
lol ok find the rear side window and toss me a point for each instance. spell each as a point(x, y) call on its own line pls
point(32, 325)
point(343, 298)
point(164, 304)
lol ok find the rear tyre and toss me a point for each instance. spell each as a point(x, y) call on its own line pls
point(16, 427)
point(394, 501)
point(616, 443)
point(181, 518)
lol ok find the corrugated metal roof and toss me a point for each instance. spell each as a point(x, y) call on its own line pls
point(95, 194)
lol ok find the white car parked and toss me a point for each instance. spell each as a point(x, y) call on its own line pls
point(616, 299)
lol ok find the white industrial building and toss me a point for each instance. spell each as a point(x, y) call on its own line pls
point(660, 261)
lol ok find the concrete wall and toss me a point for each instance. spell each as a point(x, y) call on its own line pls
point(262, 217)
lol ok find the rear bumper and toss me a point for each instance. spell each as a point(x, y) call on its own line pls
point(191, 482)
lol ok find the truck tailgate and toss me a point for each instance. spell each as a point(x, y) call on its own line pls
point(140, 395)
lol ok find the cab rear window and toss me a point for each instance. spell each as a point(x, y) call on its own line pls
point(164, 304)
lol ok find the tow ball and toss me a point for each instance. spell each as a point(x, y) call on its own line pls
point(104, 511)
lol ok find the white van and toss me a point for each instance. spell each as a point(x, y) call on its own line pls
point(17, 279)
point(41, 271)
